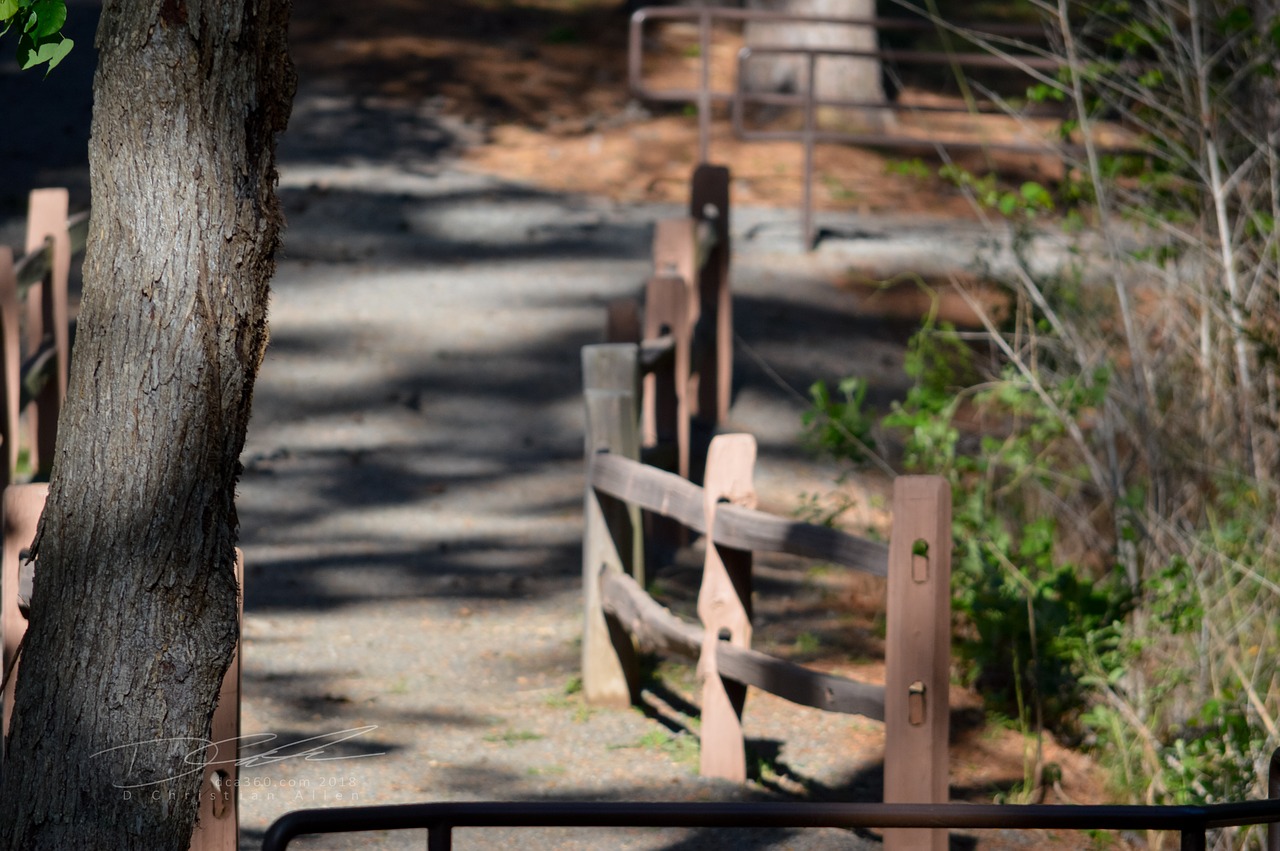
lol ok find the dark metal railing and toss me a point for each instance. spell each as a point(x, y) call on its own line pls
point(708, 16)
point(440, 819)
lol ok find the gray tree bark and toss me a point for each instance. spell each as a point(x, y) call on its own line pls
point(845, 79)
point(134, 606)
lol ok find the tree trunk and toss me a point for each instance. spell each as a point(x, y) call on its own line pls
point(134, 606)
point(838, 79)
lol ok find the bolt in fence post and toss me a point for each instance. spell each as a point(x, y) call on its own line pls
point(709, 202)
point(47, 314)
point(612, 537)
point(724, 606)
point(21, 506)
point(918, 655)
point(11, 368)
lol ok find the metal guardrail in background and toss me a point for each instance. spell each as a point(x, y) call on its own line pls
point(806, 100)
point(440, 819)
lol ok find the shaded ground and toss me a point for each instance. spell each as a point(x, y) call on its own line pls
point(467, 188)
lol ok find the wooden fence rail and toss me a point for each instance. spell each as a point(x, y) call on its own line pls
point(35, 349)
point(621, 620)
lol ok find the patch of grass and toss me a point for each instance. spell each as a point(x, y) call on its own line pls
point(571, 698)
point(512, 737)
point(546, 771)
point(819, 571)
point(681, 748)
point(914, 168)
point(837, 190)
point(808, 642)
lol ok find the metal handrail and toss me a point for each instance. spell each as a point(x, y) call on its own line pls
point(706, 16)
point(439, 819)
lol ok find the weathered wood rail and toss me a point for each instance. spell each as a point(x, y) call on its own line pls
point(35, 354)
point(621, 620)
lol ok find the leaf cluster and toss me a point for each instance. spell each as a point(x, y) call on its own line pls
point(40, 38)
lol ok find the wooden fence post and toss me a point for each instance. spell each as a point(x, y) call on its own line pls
point(918, 655)
point(724, 606)
point(218, 827)
point(709, 202)
point(622, 322)
point(11, 367)
point(612, 538)
point(665, 401)
point(21, 506)
point(47, 314)
point(675, 255)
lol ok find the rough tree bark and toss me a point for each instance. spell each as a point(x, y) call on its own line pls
point(134, 606)
point(844, 79)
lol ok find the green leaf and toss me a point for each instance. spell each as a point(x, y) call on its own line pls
point(1036, 195)
point(8, 8)
point(1237, 20)
point(52, 15)
point(53, 49)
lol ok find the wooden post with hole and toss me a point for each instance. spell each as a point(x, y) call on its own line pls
point(10, 366)
point(47, 315)
point(612, 538)
point(709, 202)
point(918, 655)
point(724, 606)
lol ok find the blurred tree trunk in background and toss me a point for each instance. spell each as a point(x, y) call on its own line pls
point(849, 79)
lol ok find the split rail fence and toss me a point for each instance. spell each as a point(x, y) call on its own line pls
point(637, 405)
point(35, 354)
